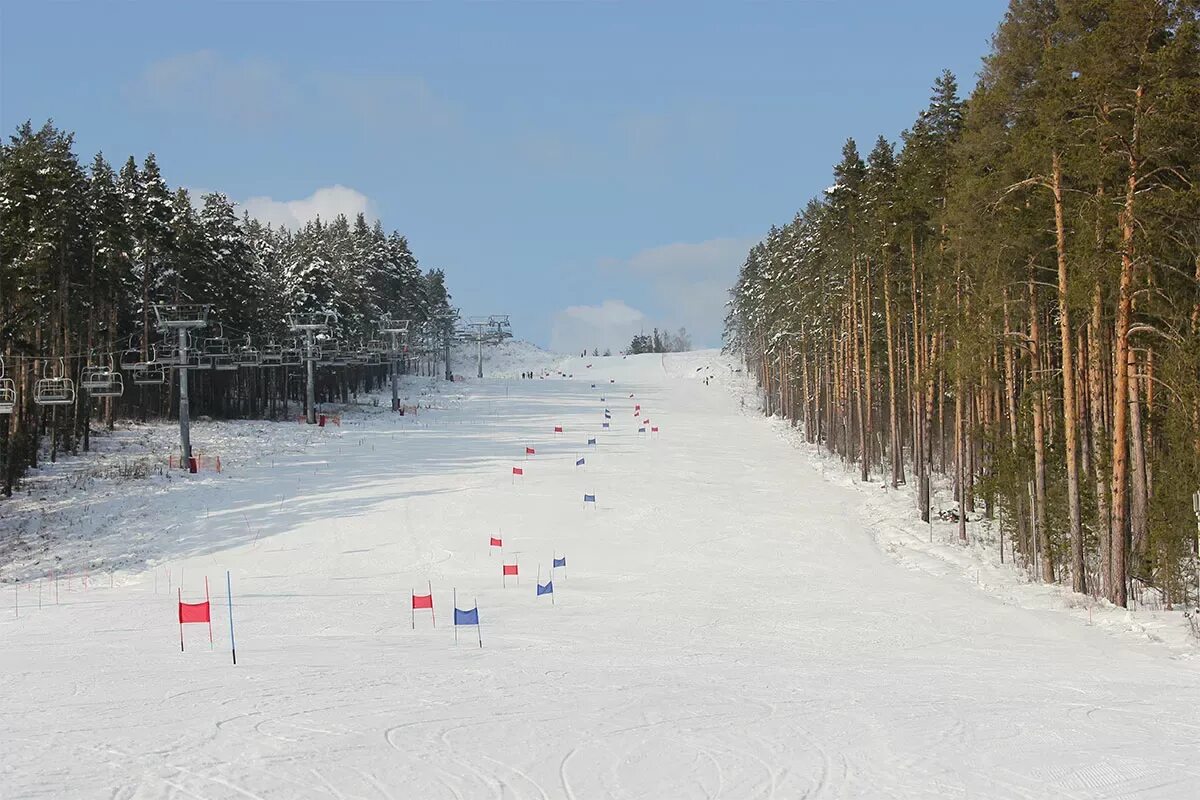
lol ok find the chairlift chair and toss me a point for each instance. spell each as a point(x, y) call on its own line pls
point(102, 381)
point(290, 357)
point(56, 390)
point(131, 358)
point(247, 355)
point(8, 391)
point(271, 355)
point(150, 376)
point(114, 388)
point(164, 354)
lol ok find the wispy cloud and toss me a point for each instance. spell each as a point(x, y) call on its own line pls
point(249, 92)
point(611, 324)
point(690, 280)
point(258, 93)
point(326, 203)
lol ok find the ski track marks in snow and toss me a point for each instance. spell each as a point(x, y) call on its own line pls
point(728, 626)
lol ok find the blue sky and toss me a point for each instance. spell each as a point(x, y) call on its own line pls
point(589, 167)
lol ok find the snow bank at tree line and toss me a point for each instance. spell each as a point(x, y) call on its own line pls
point(116, 507)
point(109, 510)
point(935, 549)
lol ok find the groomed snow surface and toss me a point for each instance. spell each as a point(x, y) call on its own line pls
point(728, 625)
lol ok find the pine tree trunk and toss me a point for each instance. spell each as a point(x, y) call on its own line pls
point(1118, 592)
point(1039, 441)
point(1070, 416)
point(894, 448)
point(1099, 462)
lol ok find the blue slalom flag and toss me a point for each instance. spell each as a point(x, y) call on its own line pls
point(469, 617)
point(604, 425)
point(593, 386)
point(548, 588)
point(560, 562)
point(607, 415)
point(641, 430)
point(579, 463)
point(591, 440)
point(589, 498)
point(601, 399)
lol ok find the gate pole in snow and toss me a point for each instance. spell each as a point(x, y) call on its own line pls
point(229, 594)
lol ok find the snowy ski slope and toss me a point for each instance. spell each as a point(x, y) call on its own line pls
point(727, 627)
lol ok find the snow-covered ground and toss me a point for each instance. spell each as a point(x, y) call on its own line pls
point(728, 624)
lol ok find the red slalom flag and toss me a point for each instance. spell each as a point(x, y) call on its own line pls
point(423, 601)
point(558, 428)
point(194, 612)
point(518, 471)
point(646, 421)
point(510, 569)
point(654, 429)
point(529, 451)
point(496, 542)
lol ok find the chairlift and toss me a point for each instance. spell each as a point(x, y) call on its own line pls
point(290, 357)
point(271, 354)
point(247, 355)
point(164, 354)
point(8, 391)
point(102, 381)
point(131, 358)
point(376, 346)
point(329, 354)
point(56, 390)
point(150, 376)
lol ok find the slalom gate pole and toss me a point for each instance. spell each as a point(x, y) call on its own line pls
point(456, 616)
point(229, 595)
point(478, 627)
point(413, 604)
point(432, 613)
point(209, 603)
point(178, 612)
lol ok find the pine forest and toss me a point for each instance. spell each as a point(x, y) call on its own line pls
point(1006, 301)
point(89, 253)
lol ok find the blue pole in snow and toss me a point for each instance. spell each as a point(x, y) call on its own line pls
point(229, 594)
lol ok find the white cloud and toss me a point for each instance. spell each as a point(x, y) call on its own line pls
point(611, 325)
point(691, 281)
point(326, 203)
